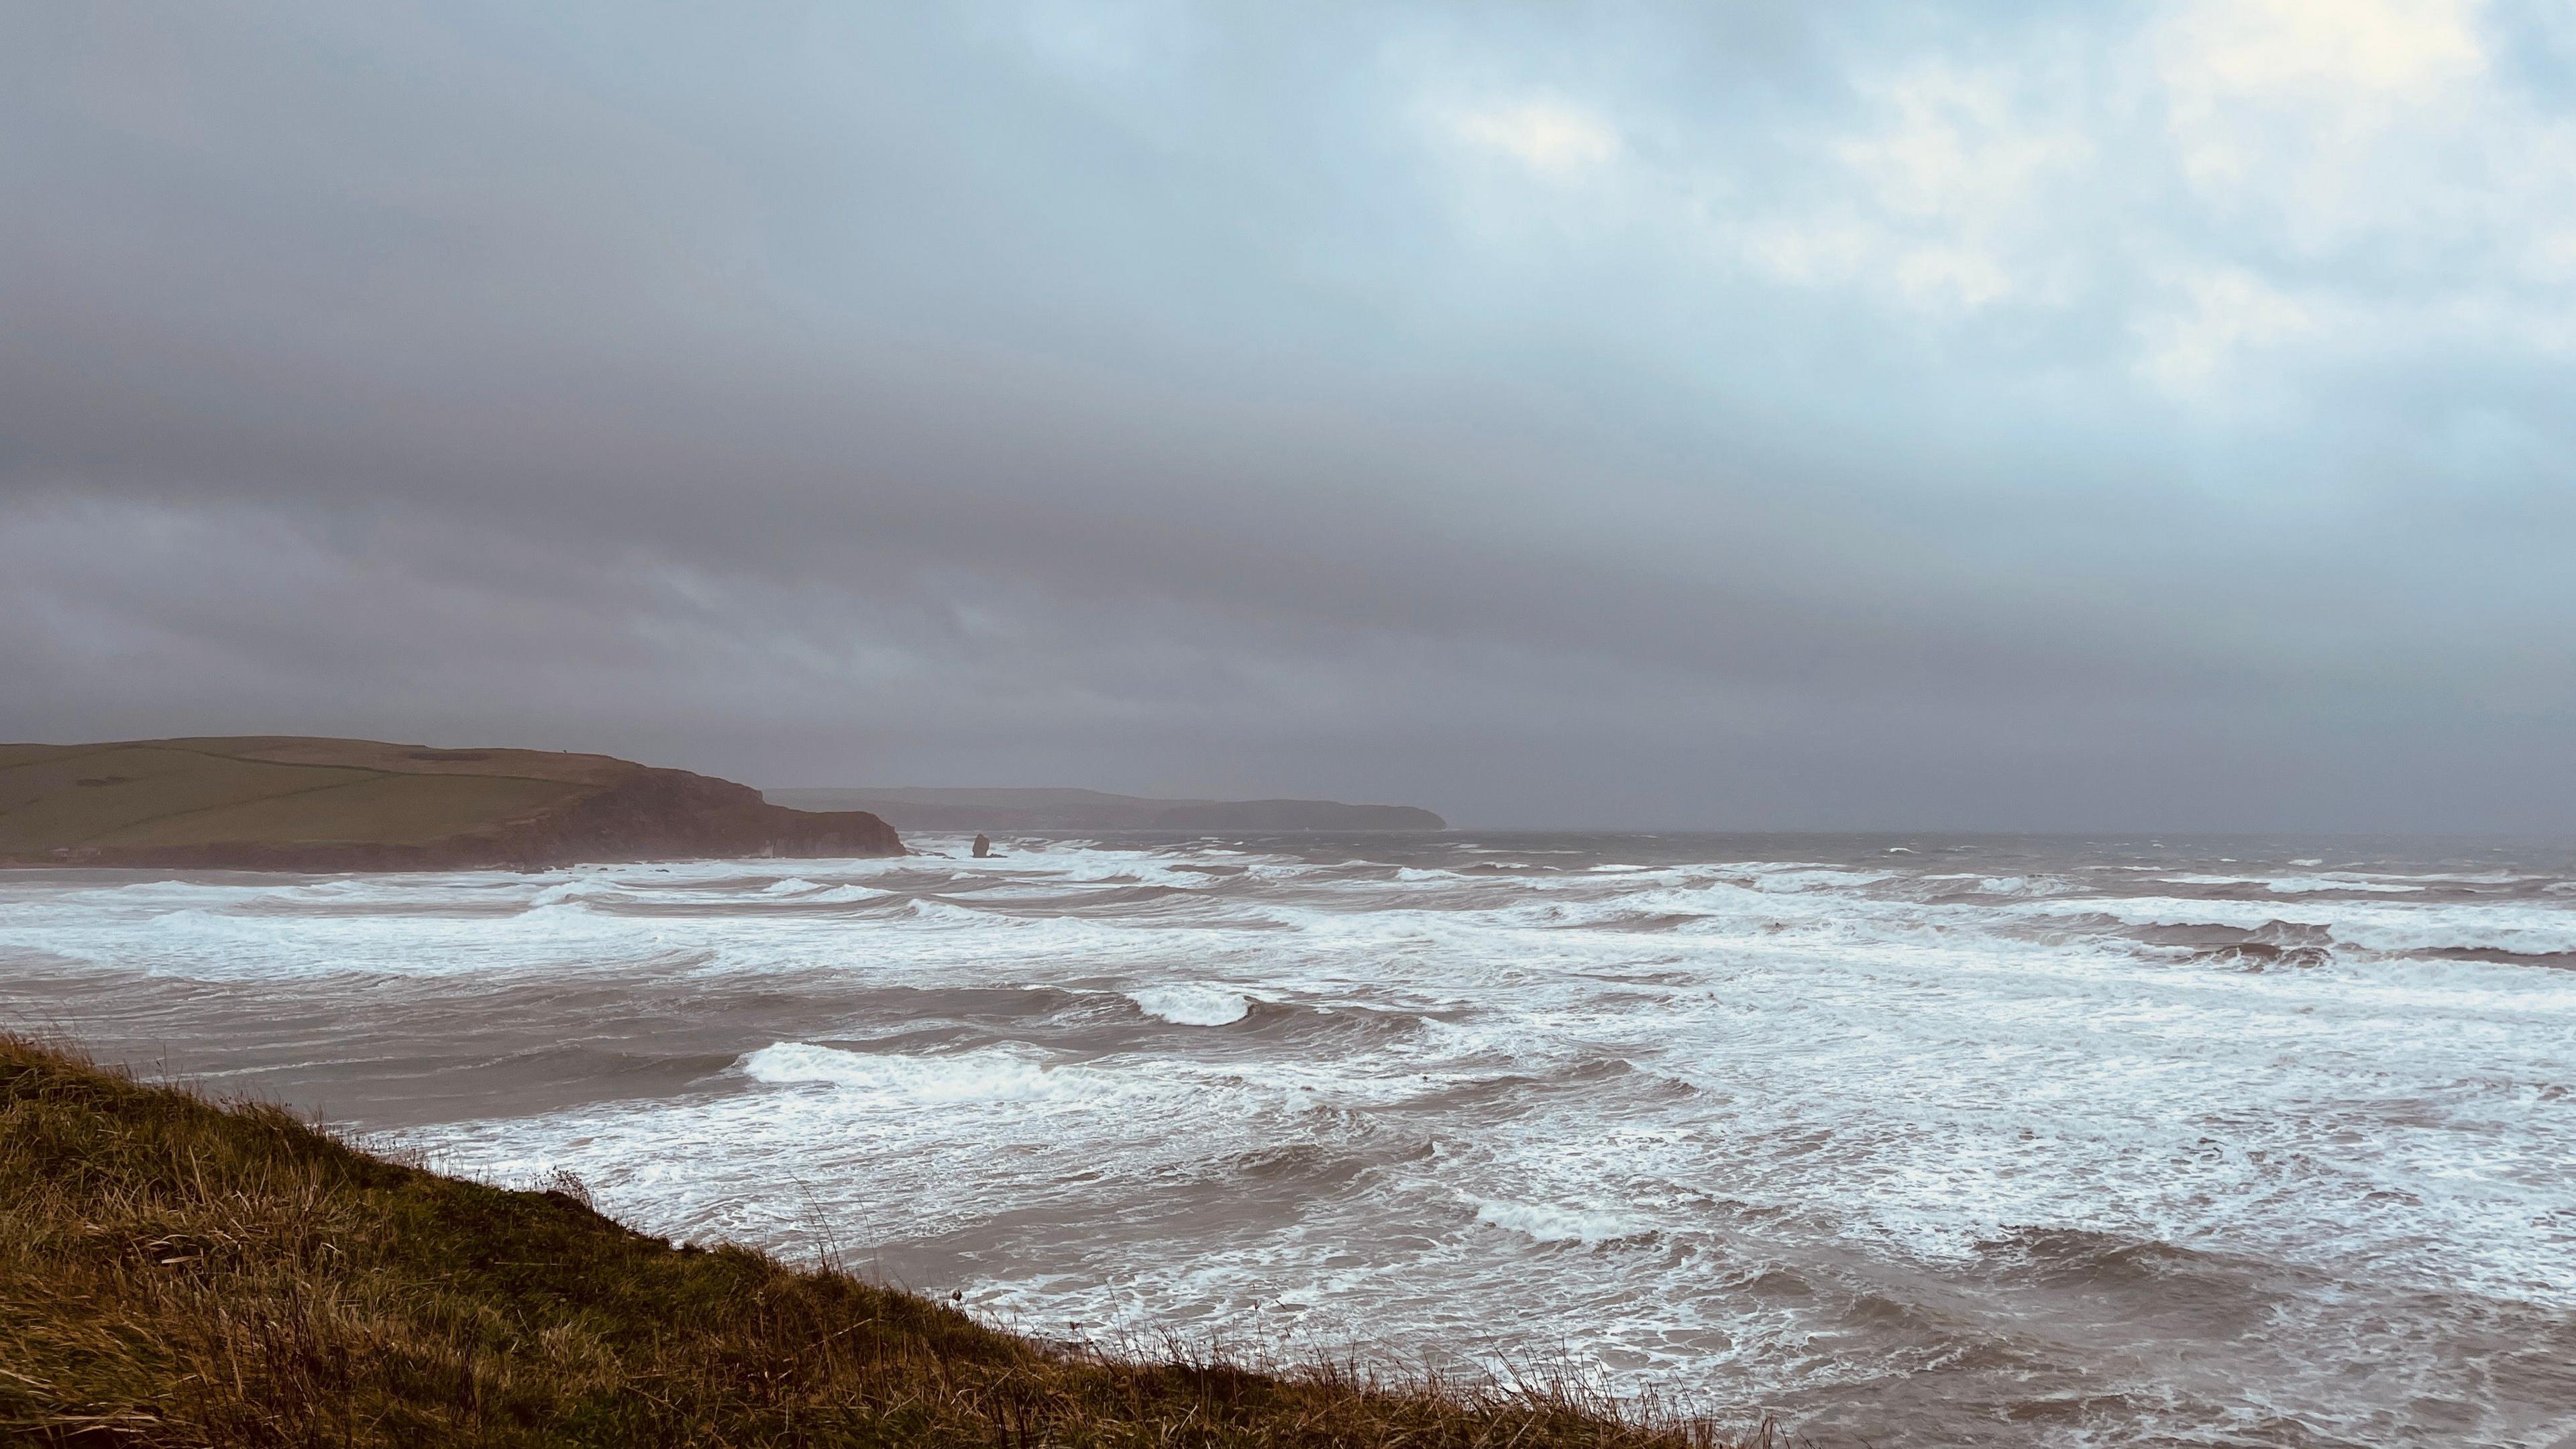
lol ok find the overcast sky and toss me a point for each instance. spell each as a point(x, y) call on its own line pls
point(1973, 416)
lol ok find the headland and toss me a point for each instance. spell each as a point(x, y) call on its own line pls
point(285, 802)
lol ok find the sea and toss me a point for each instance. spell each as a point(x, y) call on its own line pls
point(1898, 1140)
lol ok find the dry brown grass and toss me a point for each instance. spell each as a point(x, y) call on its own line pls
point(174, 1272)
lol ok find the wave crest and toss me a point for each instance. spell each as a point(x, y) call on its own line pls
point(1190, 1005)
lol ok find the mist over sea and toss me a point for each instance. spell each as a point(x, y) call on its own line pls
point(1917, 1140)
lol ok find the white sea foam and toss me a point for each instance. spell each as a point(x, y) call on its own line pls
point(1781, 1130)
point(1190, 1005)
point(849, 895)
point(2294, 885)
point(2521, 927)
point(2312, 884)
point(983, 1076)
point(1547, 1223)
point(1787, 880)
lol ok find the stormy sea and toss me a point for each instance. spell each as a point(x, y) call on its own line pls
point(1908, 1141)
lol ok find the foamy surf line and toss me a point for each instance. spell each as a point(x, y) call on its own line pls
point(1970, 1141)
point(986, 1076)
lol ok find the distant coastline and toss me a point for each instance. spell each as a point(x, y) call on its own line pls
point(1060, 811)
point(283, 802)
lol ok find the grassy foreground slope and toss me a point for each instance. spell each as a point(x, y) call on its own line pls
point(174, 1272)
point(290, 802)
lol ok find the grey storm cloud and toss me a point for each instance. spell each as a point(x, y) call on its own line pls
point(1963, 416)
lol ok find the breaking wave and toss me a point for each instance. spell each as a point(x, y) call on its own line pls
point(1193, 1005)
point(997, 1075)
point(1919, 1141)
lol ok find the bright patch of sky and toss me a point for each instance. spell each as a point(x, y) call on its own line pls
point(1954, 414)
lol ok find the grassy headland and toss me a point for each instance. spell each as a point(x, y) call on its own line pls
point(178, 1272)
point(295, 803)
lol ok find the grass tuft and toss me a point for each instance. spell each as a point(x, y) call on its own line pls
point(179, 1272)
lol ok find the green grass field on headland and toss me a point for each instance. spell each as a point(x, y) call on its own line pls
point(184, 1273)
point(299, 803)
point(205, 792)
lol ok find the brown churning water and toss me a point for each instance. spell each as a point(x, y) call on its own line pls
point(1921, 1141)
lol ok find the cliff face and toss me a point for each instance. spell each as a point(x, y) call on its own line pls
point(328, 805)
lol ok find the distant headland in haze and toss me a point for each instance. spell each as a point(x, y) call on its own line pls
point(1057, 810)
point(285, 802)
